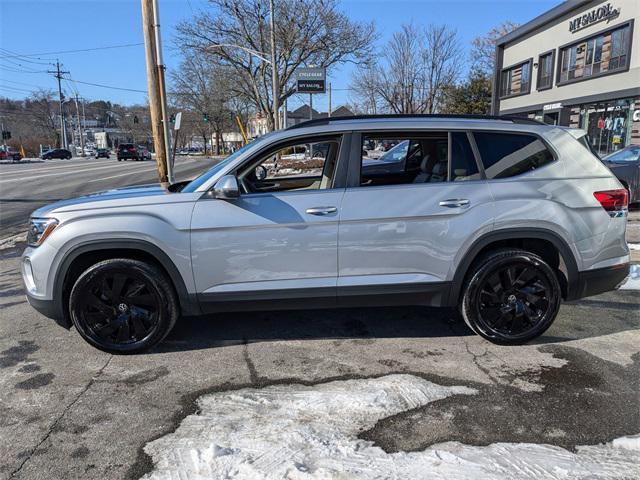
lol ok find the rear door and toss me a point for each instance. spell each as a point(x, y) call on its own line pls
point(402, 231)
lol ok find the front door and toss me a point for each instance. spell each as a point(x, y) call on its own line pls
point(278, 241)
point(403, 227)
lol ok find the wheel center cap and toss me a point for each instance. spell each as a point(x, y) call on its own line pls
point(123, 307)
point(511, 298)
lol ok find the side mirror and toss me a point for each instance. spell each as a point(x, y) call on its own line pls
point(226, 188)
point(260, 172)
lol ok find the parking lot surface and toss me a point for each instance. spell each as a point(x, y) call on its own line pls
point(70, 411)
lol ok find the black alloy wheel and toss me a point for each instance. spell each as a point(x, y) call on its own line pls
point(512, 296)
point(123, 305)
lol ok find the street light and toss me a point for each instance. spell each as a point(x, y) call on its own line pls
point(274, 74)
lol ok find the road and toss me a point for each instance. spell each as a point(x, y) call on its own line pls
point(25, 187)
point(70, 411)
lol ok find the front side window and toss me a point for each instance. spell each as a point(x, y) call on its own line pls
point(545, 71)
point(508, 154)
point(605, 52)
point(515, 80)
point(307, 165)
point(417, 160)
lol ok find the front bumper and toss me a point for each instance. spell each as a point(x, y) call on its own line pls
point(600, 280)
point(50, 309)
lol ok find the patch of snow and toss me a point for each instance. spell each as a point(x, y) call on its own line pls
point(310, 432)
point(634, 246)
point(633, 280)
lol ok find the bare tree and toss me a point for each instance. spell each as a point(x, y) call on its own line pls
point(307, 32)
point(204, 88)
point(483, 53)
point(416, 67)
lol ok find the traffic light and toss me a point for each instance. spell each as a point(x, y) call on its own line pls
point(205, 117)
point(6, 135)
point(172, 118)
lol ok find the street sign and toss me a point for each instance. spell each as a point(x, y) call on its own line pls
point(311, 80)
point(178, 119)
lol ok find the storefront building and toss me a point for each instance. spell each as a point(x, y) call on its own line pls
point(576, 65)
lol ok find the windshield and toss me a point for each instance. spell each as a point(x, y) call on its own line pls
point(629, 154)
point(197, 182)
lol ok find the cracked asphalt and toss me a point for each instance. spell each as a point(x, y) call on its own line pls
point(69, 411)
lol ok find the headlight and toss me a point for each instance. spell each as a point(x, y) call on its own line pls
point(39, 230)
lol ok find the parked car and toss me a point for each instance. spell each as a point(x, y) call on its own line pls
point(625, 164)
point(143, 153)
point(102, 153)
point(127, 151)
point(10, 154)
point(500, 217)
point(56, 153)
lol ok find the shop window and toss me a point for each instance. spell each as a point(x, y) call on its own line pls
point(545, 71)
point(515, 80)
point(608, 125)
point(605, 52)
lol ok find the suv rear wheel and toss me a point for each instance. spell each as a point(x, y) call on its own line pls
point(123, 305)
point(510, 297)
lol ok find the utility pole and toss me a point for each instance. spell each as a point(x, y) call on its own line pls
point(329, 113)
point(58, 74)
point(274, 70)
point(153, 82)
point(80, 128)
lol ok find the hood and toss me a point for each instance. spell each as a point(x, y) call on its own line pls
point(108, 198)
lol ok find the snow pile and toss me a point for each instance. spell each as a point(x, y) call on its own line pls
point(301, 433)
point(633, 280)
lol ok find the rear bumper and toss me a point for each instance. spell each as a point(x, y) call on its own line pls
point(600, 280)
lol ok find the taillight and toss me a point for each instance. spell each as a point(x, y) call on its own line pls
point(615, 202)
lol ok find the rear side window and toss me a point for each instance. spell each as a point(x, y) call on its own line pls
point(508, 155)
point(463, 162)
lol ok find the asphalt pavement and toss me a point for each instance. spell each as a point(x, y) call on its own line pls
point(25, 187)
point(69, 411)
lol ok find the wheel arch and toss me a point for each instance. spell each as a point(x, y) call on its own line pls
point(546, 243)
point(83, 255)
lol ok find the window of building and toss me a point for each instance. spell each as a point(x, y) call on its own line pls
point(516, 80)
point(605, 52)
point(545, 71)
point(507, 154)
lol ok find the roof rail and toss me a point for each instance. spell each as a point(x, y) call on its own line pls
point(327, 120)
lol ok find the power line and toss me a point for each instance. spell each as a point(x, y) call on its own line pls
point(25, 59)
point(110, 86)
point(125, 45)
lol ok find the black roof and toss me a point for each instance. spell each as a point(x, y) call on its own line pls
point(328, 120)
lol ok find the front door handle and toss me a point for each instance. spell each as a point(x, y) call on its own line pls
point(321, 210)
point(455, 202)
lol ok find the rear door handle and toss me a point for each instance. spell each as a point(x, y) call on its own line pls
point(321, 210)
point(455, 202)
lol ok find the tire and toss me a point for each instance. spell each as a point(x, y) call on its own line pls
point(123, 306)
point(510, 296)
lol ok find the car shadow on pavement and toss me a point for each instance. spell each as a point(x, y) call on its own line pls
point(223, 329)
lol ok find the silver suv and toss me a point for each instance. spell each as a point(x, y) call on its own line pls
point(500, 217)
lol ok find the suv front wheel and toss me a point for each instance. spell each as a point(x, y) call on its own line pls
point(123, 305)
point(510, 297)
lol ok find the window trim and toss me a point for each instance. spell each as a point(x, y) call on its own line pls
point(551, 52)
point(520, 176)
point(511, 67)
point(560, 83)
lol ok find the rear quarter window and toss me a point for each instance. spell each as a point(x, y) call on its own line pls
point(507, 155)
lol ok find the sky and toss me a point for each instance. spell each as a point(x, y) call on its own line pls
point(51, 27)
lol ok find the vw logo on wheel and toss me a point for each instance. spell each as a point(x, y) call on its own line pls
point(123, 307)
